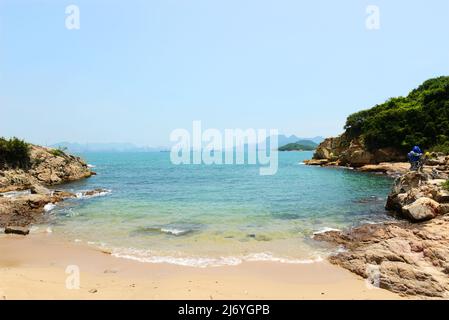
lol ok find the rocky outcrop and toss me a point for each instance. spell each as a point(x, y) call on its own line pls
point(345, 151)
point(47, 168)
point(407, 258)
point(417, 196)
point(389, 168)
point(25, 209)
point(410, 256)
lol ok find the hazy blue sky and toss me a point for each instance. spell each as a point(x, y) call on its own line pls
point(136, 70)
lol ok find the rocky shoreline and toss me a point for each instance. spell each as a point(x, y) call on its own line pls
point(25, 194)
point(411, 256)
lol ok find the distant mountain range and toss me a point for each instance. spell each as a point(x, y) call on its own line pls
point(129, 147)
point(105, 147)
point(283, 139)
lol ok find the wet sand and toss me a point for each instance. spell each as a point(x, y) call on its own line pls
point(41, 266)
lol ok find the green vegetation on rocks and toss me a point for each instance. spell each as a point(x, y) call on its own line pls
point(14, 153)
point(446, 185)
point(421, 118)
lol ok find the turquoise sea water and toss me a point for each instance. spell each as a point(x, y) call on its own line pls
point(206, 215)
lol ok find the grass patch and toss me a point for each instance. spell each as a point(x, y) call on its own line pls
point(60, 152)
point(446, 185)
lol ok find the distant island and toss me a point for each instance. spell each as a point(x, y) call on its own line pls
point(301, 145)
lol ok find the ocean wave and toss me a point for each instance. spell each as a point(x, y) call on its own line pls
point(49, 206)
point(147, 256)
point(325, 229)
point(175, 232)
point(171, 229)
point(91, 166)
point(88, 195)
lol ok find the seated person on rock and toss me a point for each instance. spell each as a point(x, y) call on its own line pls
point(414, 157)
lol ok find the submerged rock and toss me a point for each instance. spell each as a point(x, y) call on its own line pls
point(17, 230)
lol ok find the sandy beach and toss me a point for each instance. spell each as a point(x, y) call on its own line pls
point(34, 267)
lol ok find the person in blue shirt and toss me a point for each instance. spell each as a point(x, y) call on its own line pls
point(414, 157)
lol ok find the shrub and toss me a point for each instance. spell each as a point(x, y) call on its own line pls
point(446, 185)
point(14, 153)
point(58, 152)
point(442, 147)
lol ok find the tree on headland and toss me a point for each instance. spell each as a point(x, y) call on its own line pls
point(14, 153)
point(421, 118)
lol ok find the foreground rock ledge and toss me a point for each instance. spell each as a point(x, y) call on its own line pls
point(411, 258)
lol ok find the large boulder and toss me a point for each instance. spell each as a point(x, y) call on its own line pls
point(408, 181)
point(421, 209)
point(406, 189)
point(39, 189)
point(417, 197)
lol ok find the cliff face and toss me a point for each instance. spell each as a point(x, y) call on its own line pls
point(48, 167)
point(352, 152)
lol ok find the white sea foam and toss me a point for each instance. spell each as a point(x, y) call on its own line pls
point(83, 195)
point(202, 262)
point(266, 256)
point(34, 229)
point(15, 194)
point(41, 229)
point(174, 231)
point(91, 166)
point(49, 206)
point(325, 229)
